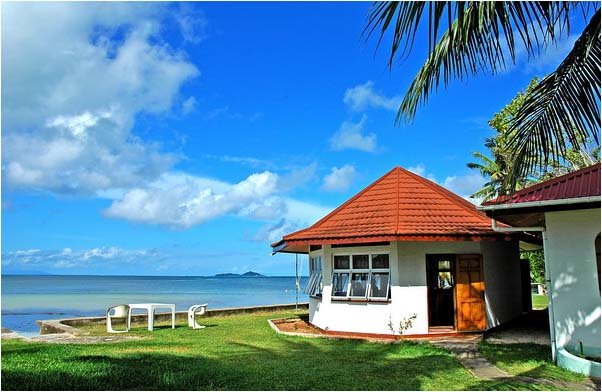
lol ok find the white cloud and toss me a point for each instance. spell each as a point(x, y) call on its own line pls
point(350, 136)
point(465, 185)
point(339, 179)
point(189, 105)
point(69, 106)
point(304, 212)
point(420, 170)
point(274, 232)
point(297, 176)
point(175, 260)
point(297, 215)
point(550, 57)
point(181, 200)
point(192, 23)
point(363, 96)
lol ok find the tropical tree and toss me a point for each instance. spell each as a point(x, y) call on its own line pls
point(470, 37)
point(497, 167)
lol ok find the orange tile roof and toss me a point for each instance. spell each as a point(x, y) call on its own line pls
point(399, 206)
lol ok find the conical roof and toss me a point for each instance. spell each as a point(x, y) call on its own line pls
point(399, 206)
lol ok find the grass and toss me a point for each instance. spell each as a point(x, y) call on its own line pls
point(539, 301)
point(236, 353)
point(533, 360)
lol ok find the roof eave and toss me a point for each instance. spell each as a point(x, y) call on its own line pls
point(542, 204)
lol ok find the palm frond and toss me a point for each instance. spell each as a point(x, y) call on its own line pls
point(480, 37)
point(562, 111)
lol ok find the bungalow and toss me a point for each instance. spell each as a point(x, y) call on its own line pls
point(407, 256)
point(566, 210)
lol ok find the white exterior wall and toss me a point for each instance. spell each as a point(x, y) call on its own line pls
point(571, 267)
point(408, 287)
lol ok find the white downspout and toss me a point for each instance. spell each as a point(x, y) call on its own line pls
point(541, 229)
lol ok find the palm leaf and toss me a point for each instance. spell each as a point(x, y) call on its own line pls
point(480, 37)
point(562, 111)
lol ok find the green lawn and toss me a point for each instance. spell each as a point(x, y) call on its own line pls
point(539, 301)
point(236, 352)
point(533, 360)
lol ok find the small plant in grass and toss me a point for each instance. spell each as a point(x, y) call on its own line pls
point(404, 324)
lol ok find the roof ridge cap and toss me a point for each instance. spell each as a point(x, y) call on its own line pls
point(351, 199)
point(444, 192)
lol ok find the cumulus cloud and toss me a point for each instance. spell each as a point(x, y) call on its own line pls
point(363, 96)
point(465, 185)
point(297, 176)
point(69, 107)
point(339, 179)
point(181, 200)
point(296, 215)
point(350, 136)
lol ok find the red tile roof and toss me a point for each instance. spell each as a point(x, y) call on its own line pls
point(578, 184)
point(399, 206)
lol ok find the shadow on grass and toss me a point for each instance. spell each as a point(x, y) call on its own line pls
point(296, 364)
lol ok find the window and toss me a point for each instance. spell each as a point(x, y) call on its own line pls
point(379, 285)
point(340, 276)
point(340, 281)
point(314, 285)
point(361, 276)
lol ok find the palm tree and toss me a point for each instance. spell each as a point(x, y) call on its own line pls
point(561, 112)
point(491, 169)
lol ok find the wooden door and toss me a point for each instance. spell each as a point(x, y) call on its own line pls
point(470, 293)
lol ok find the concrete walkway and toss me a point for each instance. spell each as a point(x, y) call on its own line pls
point(467, 353)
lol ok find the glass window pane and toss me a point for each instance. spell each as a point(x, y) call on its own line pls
point(380, 261)
point(444, 264)
point(341, 262)
point(445, 280)
point(339, 284)
point(310, 284)
point(359, 284)
point(379, 285)
point(361, 262)
point(318, 286)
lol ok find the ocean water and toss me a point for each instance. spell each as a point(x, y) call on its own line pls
point(26, 299)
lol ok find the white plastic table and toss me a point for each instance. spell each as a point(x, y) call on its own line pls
point(150, 308)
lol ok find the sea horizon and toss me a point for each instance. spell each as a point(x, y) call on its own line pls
point(27, 298)
point(162, 275)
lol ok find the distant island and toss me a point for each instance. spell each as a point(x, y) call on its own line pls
point(249, 274)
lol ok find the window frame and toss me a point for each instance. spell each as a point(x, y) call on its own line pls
point(314, 285)
point(341, 271)
point(350, 271)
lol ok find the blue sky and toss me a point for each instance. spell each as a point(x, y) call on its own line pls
point(183, 138)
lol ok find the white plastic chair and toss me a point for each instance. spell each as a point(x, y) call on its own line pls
point(119, 311)
point(193, 311)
